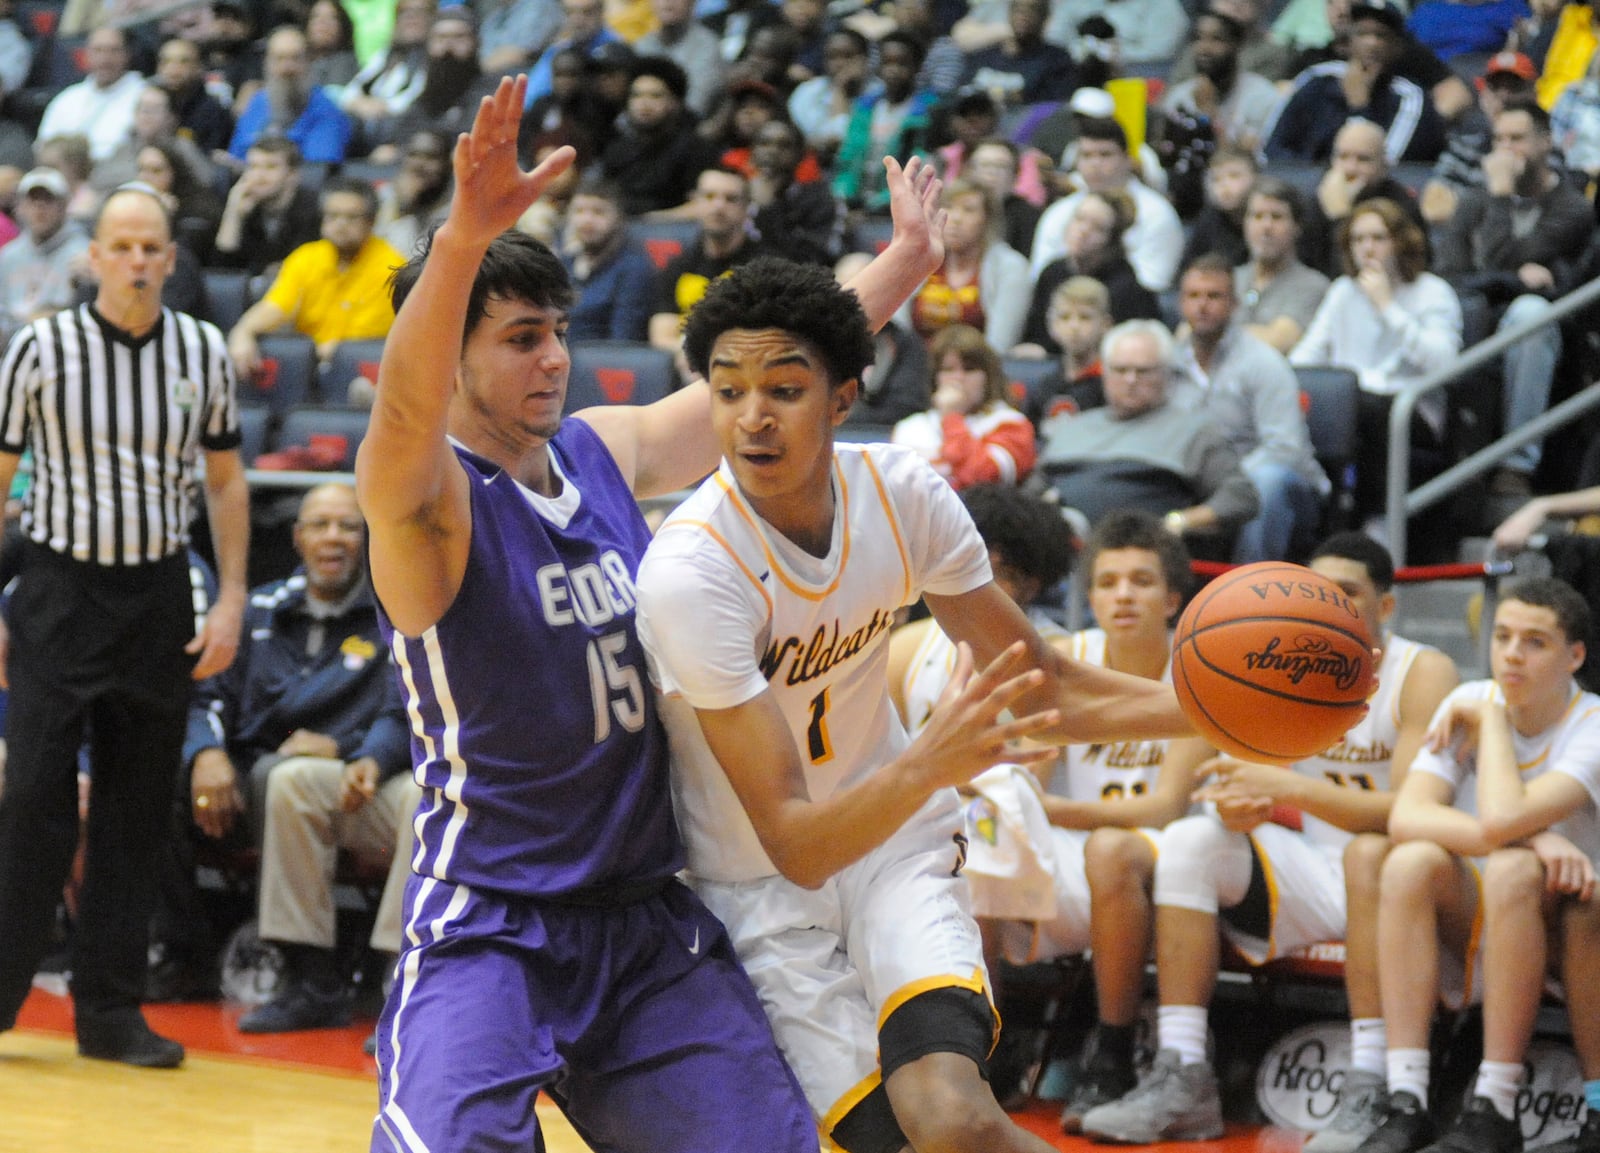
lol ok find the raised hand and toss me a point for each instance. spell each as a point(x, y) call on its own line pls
point(492, 192)
point(914, 193)
point(967, 732)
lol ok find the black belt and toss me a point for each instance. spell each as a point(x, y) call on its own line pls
point(609, 896)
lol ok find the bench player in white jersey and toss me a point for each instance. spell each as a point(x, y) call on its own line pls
point(825, 839)
point(1497, 832)
point(1272, 889)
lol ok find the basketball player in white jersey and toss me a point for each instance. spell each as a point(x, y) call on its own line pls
point(826, 840)
point(1273, 889)
point(1497, 832)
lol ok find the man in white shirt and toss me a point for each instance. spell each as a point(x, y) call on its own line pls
point(100, 106)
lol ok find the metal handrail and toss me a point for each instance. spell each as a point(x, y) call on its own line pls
point(1400, 504)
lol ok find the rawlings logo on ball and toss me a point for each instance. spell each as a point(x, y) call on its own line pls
point(1309, 655)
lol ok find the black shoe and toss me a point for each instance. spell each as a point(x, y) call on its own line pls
point(176, 979)
point(1586, 1140)
point(122, 1035)
point(1100, 1083)
point(1479, 1128)
point(298, 1007)
point(1409, 1127)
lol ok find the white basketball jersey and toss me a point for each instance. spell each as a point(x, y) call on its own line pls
point(1363, 759)
point(729, 609)
point(1106, 770)
point(1570, 746)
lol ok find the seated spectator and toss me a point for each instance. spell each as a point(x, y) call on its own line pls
point(970, 435)
point(1094, 248)
point(1251, 392)
point(513, 32)
point(891, 121)
point(331, 46)
point(805, 18)
point(100, 106)
point(747, 107)
point(798, 220)
point(943, 64)
point(1277, 294)
point(416, 200)
point(1515, 533)
point(1519, 241)
point(332, 290)
point(1572, 47)
point(546, 217)
point(16, 53)
point(1495, 839)
point(1393, 322)
point(200, 116)
point(690, 45)
point(1079, 318)
point(390, 80)
point(896, 383)
point(583, 29)
point(1023, 68)
point(69, 155)
point(1451, 28)
point(568, 114)
point(1508, 76)
point(39, 268)
point(721, 205)
point(657, 157)
point(1323, 879)
point(1056, 136)
point(997, 164)
point(1359, 171)
point(1366, 86)
point(231, 58)
point(1237, 104)
point(153, 121)
point(983, 282)
point(1147, 31)
point(821, 107)
point(194, 206)
point(1139, 452)
point(1219, 227)
point(1153, 241)
point(452, 86)
point(740, 25)
point(612, 273)
point(1259, 51)
point(288, 105)
point(304, 736)
point(267, 214)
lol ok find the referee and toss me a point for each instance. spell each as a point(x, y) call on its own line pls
point(116, 400)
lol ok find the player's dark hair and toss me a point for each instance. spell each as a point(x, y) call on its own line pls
point(516, 267)
point(1141, 530)
point(1571, 610)
point(1029, 533)
point(1364, 551)
point(803, 300)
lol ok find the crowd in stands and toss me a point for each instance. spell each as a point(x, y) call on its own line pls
point(1155, 214)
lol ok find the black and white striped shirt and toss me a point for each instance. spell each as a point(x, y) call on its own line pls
point(115, 425)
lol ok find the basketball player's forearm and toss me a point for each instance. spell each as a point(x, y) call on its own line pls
point(424, 344)
point(1354, 810)
point(1098, 705)
point(810, 841)
point(1449, 828)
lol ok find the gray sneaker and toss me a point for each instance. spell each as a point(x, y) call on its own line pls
point(1363, 1106)
point(1172, 1102)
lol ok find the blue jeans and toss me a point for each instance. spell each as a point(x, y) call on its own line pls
point(1290, 507)
point(1530, 366)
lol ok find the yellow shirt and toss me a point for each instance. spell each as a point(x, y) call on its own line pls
point(330, 305)
point(1570, 49)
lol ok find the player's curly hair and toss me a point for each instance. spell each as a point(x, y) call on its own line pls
point(1028, 533)
point(803, 300)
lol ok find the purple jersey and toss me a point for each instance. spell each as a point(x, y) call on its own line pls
point(537, 781)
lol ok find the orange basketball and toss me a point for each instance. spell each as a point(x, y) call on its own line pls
point(1272, 662)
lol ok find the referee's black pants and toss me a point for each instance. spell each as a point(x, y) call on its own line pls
point(97, 655)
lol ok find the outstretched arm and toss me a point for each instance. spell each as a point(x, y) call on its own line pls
point(411, 487)
point(669, 445)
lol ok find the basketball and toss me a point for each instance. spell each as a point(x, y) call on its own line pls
point(1272, 662)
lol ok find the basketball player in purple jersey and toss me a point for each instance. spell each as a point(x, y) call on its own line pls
point(547, 943)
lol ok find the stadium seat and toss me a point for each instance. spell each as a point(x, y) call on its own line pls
point(1331, 397)
point(288, 368)
point(664, 239)
point(332, 435)
point(352, 359)
point(618, 372)
point(255, 426)
point(227, 296)
point(373, 174)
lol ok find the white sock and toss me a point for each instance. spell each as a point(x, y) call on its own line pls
point(1368, 1040)
point(1408, 1072)
point(1183, 1028)
point(1499, 1081)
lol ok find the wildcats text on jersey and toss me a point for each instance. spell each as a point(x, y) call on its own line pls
point(825, 651)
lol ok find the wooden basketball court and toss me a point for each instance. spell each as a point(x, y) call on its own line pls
point(313, 1092)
